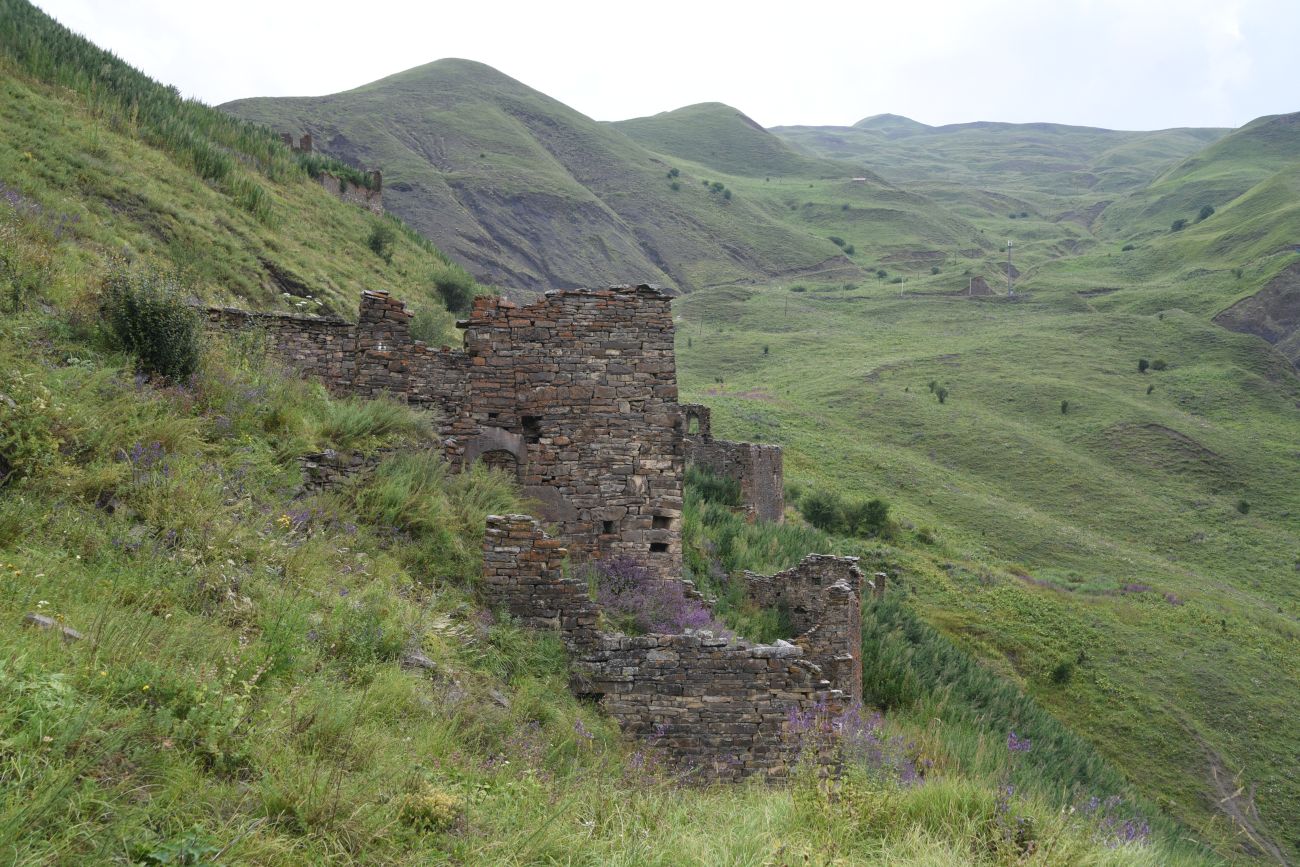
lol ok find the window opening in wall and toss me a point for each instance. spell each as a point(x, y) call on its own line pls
point(661, 522)
point(493, 415)
point(607, 527)
point(693, 425)
point(532, 425)
point(658, 547)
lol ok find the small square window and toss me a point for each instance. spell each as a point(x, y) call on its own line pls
point(607, 527)
point(658, 547)
point(661, 522)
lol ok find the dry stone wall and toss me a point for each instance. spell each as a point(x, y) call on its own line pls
point(575, 394)
point(371, 198)
point(759, 469)
point(584, 384)
point(720, 705)
point(822, 599)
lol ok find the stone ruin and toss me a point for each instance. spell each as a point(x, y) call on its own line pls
point(722, 706)
point(370, 196)
point(758, 468)
point(575, 394)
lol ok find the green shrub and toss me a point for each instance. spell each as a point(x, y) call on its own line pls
point(896, 280)
point(1206, 213)
point(675, 186)
point(849, 250)
point(1150, 388)
point(836, 240)
point(1178, 225)
point(455, 288)
point(934, 269)
point(1143, 364)
point(145, 315)
point(1065, 407)
point(942, 394)
point(381, 241)
point(1062, 672)
point(1159, 364)
point(882, 273)
point(1243, 507)
point(866, 517)
point(798, 288)
point(1128, 247)
point(823, 509)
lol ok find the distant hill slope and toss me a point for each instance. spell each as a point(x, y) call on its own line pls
point(1047, 158)
point(532, 194)
point(1213, 176)
point(724, 138)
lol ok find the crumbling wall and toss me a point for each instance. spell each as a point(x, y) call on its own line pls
point(760, 470)
point(371, 198)
point(719, 704)
point(330, 469)
point(321, 347)
point(582, 387)
point(822, 599)
point(375, 356)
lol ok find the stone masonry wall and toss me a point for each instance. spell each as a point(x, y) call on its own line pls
point(581, 386)
point(363, 197)
point(575, 393)
point(720, 705)
point(760, 469)
point(372, 357)
point(822, 597)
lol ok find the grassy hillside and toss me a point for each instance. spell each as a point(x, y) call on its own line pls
point(531, 194)
point(722, 138)
point(1043, 185)
point(110, 165)
point(1214, 176)
point(1143, 535)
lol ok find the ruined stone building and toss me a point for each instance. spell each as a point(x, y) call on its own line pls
point(575, 394)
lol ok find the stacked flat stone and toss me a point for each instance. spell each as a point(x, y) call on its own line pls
point(575, 393)
point(329, 470)
point(720, 706)
point(822, 597)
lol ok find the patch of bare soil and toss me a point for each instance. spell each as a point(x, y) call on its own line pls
point(1272, 313)
point(1160, 447)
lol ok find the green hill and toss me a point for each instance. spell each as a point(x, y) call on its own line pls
point(1214, 176)
point(722, 138)
point(531, 194)
point(118, 166)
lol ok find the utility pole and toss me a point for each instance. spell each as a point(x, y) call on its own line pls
point(1011, 287)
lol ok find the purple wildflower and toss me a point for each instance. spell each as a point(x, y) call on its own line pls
point(1018, 744)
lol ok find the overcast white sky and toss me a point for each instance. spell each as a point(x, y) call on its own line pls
point(1126, 64)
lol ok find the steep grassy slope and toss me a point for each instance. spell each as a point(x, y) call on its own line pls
point(114, 165)
point(531, 194)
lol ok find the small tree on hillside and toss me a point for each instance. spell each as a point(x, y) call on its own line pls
point(823, 509)
point(1206, 213)
point(1143, 364)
